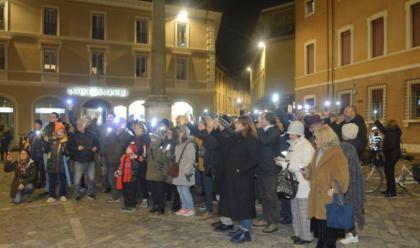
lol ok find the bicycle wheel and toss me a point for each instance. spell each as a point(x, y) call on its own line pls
point(373, 178)
point(408, 182)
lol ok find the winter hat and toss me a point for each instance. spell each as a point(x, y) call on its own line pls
point(224, 120)
point(349, 131)
point(310, 120)
point(296, 128)
point(59, 126)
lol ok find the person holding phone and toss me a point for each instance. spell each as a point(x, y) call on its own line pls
point(299, 156)
point(25, 178)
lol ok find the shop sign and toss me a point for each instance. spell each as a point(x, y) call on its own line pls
point(97, 91)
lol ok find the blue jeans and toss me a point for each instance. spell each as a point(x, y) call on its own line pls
point(87, 168)
point(208, 191)
point(245, 225)
point(186, 197)
point(28, 190)
point(54, 179)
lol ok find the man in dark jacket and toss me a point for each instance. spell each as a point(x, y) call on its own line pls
point(351, 116)
point(82, 146)
point(36, 147)
point(104, 130)
point(266, 172)
point(115, 143)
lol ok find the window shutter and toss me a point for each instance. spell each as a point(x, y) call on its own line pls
point(310, 59)
point(346, 47)
point(378, 37)
point(415, 10)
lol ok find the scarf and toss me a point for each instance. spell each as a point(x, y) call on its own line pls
point(23, 166)
point(125, 171)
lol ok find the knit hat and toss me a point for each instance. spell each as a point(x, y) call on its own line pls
point(224, 120)
point(310, 120)
point(349, 131)
point(59, 126)
point(296, 128)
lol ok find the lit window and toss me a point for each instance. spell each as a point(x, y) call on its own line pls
point(141, 66)
point(98, 26)
point(309, 7)
point(181, 68)
point(50, 59)
point(181, 34)
point(309, 103)
point(376, 102)
point(50, 21)
point(141, 31)
point(97, 63)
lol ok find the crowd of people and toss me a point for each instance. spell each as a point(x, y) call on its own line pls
point(234, 161)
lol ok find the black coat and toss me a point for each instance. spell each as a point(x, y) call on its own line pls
point(392, 140)
point(221, 143)
point(270, 148)
point(237, 197)
point(210, 144)
point(88, 141)
point(360, 123)
point(29, 177)
point(36, 146)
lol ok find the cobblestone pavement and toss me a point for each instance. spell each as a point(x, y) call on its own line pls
point(390, 223)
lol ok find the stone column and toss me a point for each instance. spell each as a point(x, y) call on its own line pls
point(158, 104)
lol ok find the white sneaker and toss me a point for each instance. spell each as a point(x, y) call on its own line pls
point(350, 239)
point(50, 199)
point(63, 198)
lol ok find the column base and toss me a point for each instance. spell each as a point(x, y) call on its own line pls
point(158, 106)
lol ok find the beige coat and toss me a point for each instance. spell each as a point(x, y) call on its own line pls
point(332, 166)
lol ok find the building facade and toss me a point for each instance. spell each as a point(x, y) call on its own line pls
point(361, 53)
point(98, 54)
point(232, 93)
point(272, 65)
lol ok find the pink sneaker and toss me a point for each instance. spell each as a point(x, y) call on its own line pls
point(189, 212)
point(180, 212)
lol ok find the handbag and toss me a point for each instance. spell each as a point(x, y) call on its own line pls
point(339, 214)
point(174, 167)
point(287, 184)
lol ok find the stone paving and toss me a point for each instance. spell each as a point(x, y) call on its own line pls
point(390, 223)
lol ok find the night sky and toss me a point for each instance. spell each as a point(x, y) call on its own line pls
point(239, 17)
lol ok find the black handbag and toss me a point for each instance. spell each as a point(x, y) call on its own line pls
point(287, 184)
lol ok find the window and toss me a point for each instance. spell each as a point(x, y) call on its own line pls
point(141, 66)
point(376, 102)
point(142, 31)
point(309, 7)
point(415, 15)
point(50, 60)
point(415, 101)
point(309, 102)
point(50, 21)
point(97, 63)
point(181, 34)
point(310, 58)
point(2, 57)
point(98, 26)
point(181, 68)
point(345, 39)
point(345, 98)
point(2, 17)
point(378, 37)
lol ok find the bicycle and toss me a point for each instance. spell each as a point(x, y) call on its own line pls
point(374, 177)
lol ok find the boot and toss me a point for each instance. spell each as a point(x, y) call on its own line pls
point(235, 233)
point(245, 236)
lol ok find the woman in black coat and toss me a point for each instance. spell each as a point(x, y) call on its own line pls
point(237, 198)
point(391, 147)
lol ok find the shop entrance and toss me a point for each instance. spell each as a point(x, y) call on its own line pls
point(7, 114)
point(91, 106)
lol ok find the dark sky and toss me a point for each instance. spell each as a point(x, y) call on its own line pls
point(239, 17)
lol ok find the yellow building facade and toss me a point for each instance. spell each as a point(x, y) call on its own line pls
point(272, 64)
point(232, 93)
point(361, 53)
point(98, 54)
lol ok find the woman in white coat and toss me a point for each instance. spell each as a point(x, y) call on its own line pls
point(299, 155)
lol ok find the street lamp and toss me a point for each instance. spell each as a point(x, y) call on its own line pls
point(261, 44)
point(182, 16)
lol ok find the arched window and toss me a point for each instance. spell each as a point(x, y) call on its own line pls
point(137, 110)
point(181, 108)
point(7, 113)
point(47, 105)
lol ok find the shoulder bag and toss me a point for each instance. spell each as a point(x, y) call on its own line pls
point(339, 214)
point(174, 167)
point(287, 184)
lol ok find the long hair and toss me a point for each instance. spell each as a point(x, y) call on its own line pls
point(249, 127)
point(326, 137)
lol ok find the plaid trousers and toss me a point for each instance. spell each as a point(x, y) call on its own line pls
point(301, 223)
